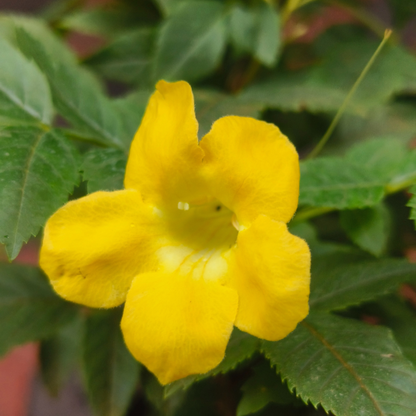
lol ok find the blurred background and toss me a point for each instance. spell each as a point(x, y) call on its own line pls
point(21, 390)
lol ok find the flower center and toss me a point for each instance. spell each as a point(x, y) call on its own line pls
point(198, 239)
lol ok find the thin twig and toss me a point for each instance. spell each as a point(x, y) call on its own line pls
point(347, 99)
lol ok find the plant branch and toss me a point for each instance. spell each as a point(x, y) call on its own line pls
point(347, 99)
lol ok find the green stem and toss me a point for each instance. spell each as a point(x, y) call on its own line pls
point(347, 99)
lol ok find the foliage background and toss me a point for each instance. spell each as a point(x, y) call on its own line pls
point(66, 122)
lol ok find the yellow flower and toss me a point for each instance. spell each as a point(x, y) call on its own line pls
point(196, 243)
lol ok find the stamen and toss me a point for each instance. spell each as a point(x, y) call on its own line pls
point(235, 222)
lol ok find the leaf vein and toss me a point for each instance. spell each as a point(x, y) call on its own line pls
point(350, 369)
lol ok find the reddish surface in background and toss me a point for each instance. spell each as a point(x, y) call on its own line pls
point(17, 371)
point(307, 32)
point(18, 368)
point(84, 45)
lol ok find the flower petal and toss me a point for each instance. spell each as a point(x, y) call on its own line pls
point(177, 325)
point(271, 273)
point(252, 168)
point(165, 155)
point(93, 247)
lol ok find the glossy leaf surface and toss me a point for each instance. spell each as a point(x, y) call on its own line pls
point(351, 283)
point(39, 170)
point(324, 184)
point(348, 367)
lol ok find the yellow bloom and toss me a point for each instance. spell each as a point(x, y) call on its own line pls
point(196, 243)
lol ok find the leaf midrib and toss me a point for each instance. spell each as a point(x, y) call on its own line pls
point(89, 122)
point(194, 46)
point(19, 103)
point(23, 190)
point(350, 369)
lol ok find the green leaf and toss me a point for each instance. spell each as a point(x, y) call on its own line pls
point(324, 86)
point(39, 30)
point(382, 157)
point(130, 110)
point(58, 355)
point(402, 320)
point(351, 284)
point(24, 91)
point(304, 230)
point(412, 204)
point(38, 170)
point(368, 228)
point(337, 255)
point(210, 105)
point(191, 41)
point(292, 92)
point(348, 367)
point(128, 59)
point(29, 308)
point(111, 373)
point(334, 183)
point(256, 30)
point(326, 254)
point(243, 28)
point(240, 347)
point(76, 96)
point(262, 388)
point(104, 169)
point(387, 159)
point(168, 6)
point(104, 22)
